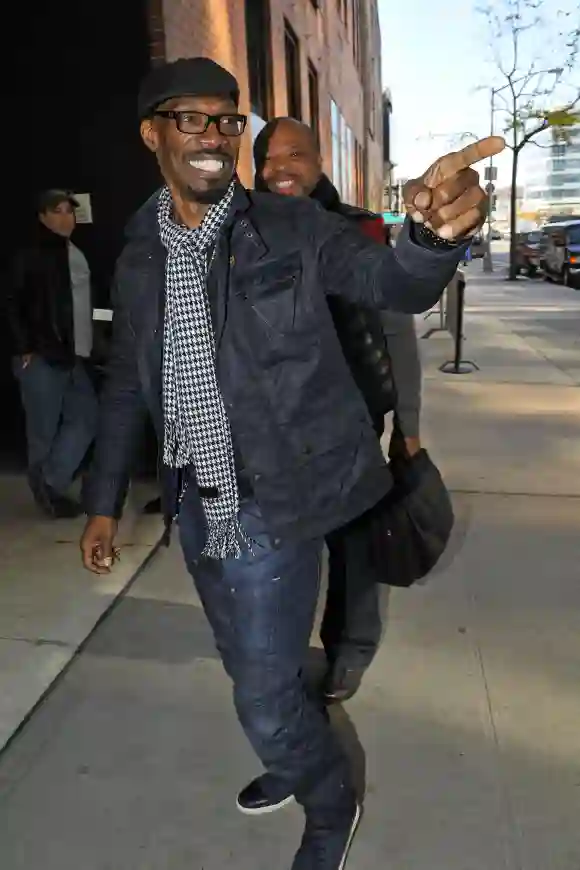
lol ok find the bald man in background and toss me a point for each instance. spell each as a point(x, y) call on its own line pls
point(382, 352)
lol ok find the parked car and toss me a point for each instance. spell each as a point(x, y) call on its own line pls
point(477, 247)
point(528, 252)
point(496, 236)
point(560, 254)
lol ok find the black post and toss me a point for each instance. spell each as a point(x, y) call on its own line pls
point(441, 312)
point(459, 366)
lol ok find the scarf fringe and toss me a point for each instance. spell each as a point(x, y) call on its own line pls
point(226, 539)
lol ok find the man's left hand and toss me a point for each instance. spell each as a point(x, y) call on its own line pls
point(400, 446)
point(448, 198)
point(412, 446)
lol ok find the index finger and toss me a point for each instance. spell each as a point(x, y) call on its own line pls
point(451, 164)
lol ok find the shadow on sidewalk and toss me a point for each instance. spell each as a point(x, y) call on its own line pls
point(139, 629)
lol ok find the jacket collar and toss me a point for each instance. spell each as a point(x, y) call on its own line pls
point(329, 198)
point(45, 237)
point(326, 194)
point(143, 224)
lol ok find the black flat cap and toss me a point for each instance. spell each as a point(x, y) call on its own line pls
point(186, 77)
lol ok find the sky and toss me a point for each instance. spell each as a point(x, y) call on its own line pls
point(435, 58)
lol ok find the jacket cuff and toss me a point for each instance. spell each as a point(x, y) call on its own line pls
point(419, 260)
point(105, 498)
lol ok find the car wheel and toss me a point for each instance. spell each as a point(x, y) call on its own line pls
point(531, 271)
point(566, 276)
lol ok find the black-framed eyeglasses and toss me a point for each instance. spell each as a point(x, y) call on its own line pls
point(228, 124)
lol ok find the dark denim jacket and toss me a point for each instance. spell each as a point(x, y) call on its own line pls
point(300, 424)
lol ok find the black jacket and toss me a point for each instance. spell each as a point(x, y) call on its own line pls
point(39, 303)
point(298, 420)
point(379, 346)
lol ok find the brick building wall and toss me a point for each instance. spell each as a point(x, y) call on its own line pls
point(373, 76)
point(331, 56)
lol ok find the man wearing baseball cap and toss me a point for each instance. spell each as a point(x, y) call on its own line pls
point(50, 312)
point(223, 333)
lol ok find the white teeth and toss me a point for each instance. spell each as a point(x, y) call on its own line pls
point(208, 164)
point(284, 184)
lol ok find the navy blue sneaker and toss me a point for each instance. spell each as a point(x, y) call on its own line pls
point(265, 794)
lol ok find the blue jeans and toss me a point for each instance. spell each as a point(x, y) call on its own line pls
point(61, 417)
point(261, 608)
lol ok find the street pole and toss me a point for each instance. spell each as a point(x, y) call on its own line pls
point(487, 259)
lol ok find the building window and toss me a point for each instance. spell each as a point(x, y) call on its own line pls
point(335, 121)
point(344, 156)
point(360, 174)
point(356, 46)
point(314, 100)
point(259, 57)
point(344, 167)
point(293, 83)
point(351, 168)
point(357, 169)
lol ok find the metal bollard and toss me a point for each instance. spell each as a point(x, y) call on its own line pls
point(454, 322)
point(440, 309)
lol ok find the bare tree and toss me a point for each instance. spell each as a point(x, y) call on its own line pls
point(525, 37)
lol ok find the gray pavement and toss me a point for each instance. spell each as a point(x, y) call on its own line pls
point(48, 604)
point(465, 731)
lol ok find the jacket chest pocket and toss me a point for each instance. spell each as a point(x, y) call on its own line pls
point(277, 297)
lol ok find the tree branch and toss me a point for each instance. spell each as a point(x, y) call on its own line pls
point(529, 136)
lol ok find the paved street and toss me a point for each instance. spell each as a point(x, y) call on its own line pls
point(465, 732)
point(545, 314)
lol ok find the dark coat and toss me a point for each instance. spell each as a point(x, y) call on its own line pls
point(39, 301)
point(360, 328)
point(300, 424)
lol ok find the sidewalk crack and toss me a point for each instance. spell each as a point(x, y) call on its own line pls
point(510, 813)
point(36, 641)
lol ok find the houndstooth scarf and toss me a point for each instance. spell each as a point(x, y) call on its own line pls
point(197, 430)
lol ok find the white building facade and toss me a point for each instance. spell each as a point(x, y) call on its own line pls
point(551, 176)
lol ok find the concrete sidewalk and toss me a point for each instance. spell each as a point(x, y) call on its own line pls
point(48, 604)
point(465, 732)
